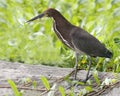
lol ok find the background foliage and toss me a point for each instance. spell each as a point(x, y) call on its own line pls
point(36, 43)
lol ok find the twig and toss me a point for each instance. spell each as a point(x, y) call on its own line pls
point(62, 78)
point(44, 92)
point(24, 88)
point(97, 93)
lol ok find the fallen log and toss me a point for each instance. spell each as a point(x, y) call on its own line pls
point(18, 72)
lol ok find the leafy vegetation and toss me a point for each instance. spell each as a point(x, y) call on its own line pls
point(14, 88)
point(62, 91)
point(53, 88)
point(36, 43)
point(45, 82)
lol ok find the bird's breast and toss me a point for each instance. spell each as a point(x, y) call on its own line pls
point(63, 35)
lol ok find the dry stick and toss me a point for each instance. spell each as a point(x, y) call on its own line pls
point(58, 80)
point(62, 78)
point(44, 92)
point(36, 89)
point(93, 94)
point(25, 88)
point(96, 93)
point(103, 90)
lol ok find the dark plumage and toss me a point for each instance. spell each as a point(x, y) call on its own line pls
point(88, 44)
point(74, 37)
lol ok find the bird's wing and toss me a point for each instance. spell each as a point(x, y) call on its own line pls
point(86, 43)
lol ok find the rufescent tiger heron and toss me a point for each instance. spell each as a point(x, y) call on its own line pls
point(75, 38)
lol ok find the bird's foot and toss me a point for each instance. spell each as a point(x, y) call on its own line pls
point(73, 74)
point(85, 80)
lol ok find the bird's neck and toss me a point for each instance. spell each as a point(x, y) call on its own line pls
point(61, 21)
point(63, 29)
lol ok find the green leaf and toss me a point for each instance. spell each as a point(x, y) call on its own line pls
point(14, 88)
point(88, 88)
point(45, 82)
point(96, 78)
point(62, 91)
point(72, 93)
point(34, 84)
point(81, 83)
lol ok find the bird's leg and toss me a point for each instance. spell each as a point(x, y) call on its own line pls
point(87, 76)
point(76, 64)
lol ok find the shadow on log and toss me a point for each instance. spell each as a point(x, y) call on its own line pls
point(18, 72)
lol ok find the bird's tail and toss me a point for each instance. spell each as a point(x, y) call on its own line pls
point(108, 54)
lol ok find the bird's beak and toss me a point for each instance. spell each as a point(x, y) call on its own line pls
point(37, 17)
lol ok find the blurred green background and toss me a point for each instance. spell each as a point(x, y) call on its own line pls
point(36, 42)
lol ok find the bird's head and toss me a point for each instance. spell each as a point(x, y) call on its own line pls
point(48, 13)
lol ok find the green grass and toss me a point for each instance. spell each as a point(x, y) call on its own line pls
point(36, 43)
